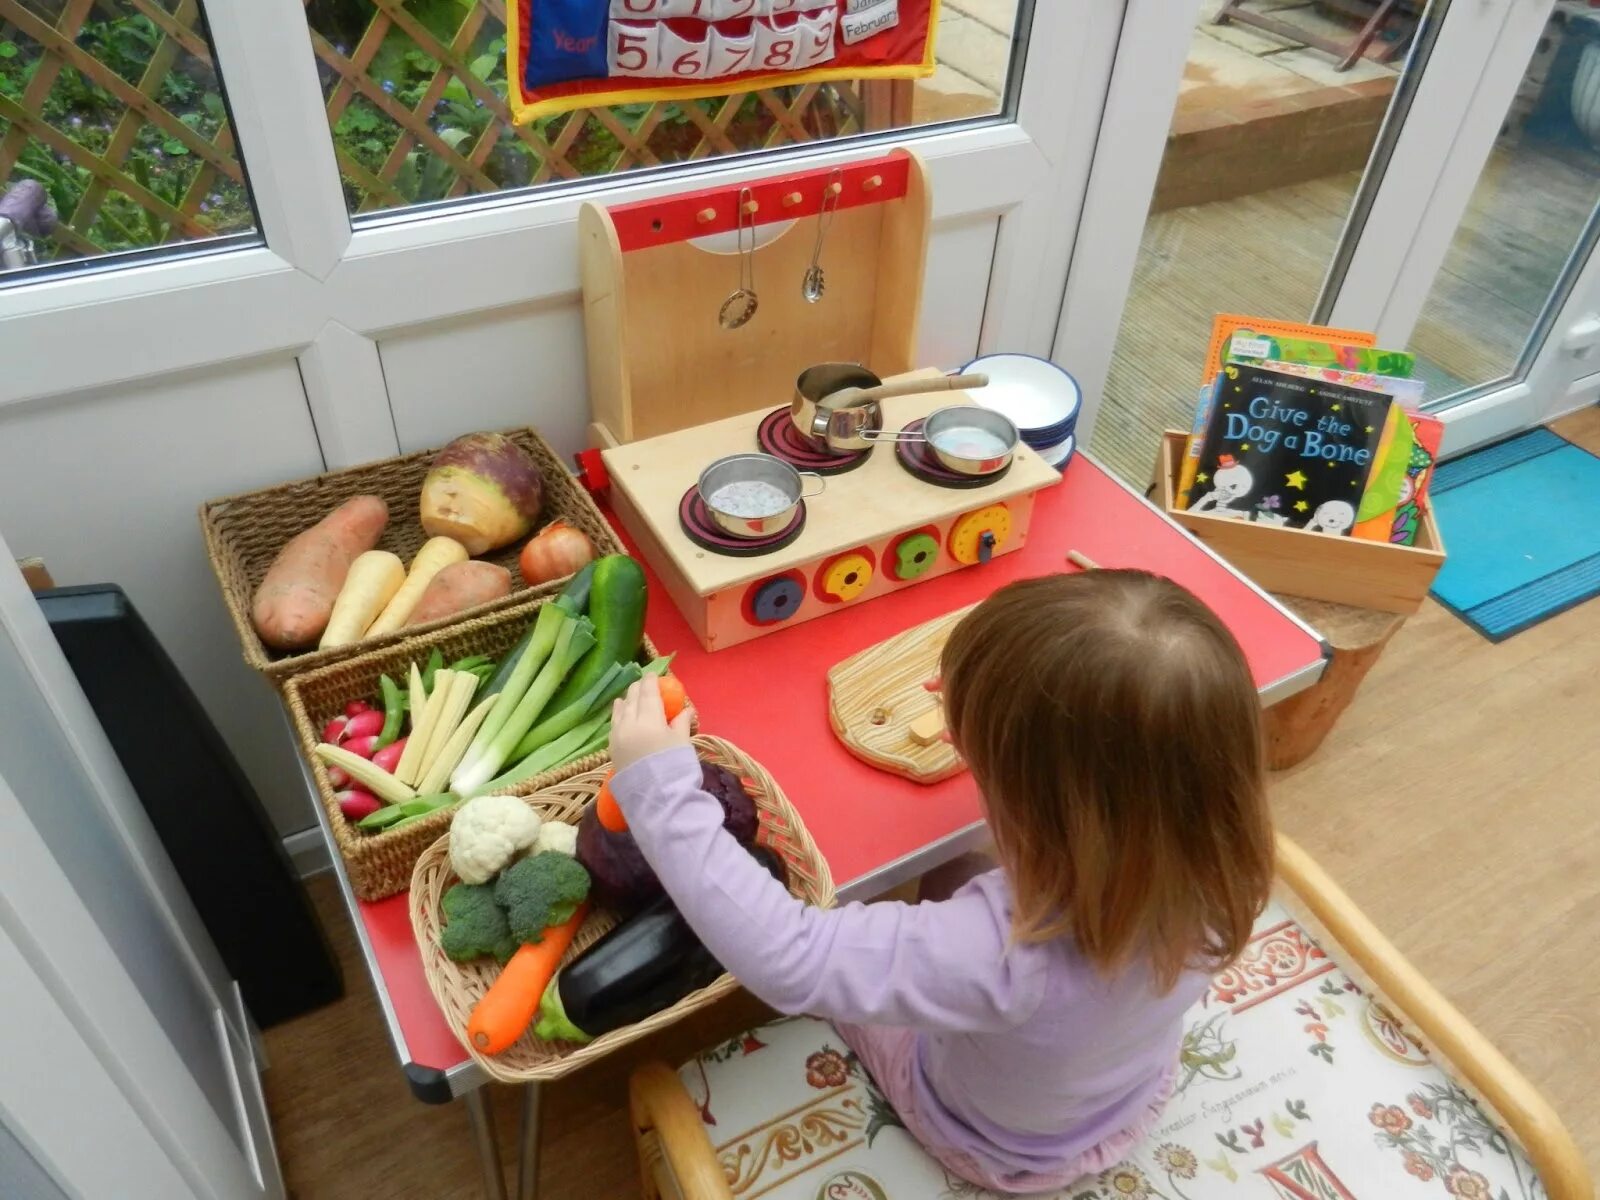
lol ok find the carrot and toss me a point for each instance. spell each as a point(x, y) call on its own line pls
point(672, 696)
point(606, 809)
point(292, 606)
point(508, 1007)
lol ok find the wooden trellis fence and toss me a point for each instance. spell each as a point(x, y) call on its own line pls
point(643, 135)
point(58, 42)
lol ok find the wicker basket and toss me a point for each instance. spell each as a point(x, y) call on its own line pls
point(245, 533)
point(459, 986)
point(379, 864)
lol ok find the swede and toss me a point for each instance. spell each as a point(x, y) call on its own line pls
point(435, 555)
point(373, 580)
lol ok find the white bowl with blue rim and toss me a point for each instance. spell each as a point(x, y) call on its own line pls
point(1060, 455)
point(1042, 400)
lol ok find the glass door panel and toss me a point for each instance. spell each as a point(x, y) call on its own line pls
point(1279, 112)
point(1528, 226)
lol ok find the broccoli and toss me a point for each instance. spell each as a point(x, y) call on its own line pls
point(476, 925)
point(539, 892)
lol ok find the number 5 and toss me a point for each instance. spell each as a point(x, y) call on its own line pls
point(632, 44)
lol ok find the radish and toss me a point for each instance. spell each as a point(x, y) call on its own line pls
point(389, 757)
point(365, 747)
point(356, 707)
point(363, 725)
point(338, 778)
point(355, 804)
point(333, 731)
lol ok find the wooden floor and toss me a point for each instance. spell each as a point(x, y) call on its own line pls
point(1267, 255)
point(1457, 801)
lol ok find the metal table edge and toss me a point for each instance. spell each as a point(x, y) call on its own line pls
point(431, 1085)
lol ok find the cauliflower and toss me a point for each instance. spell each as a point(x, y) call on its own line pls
point(557, 837)
point(488, 834)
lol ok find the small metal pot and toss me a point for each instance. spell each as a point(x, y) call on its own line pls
point(841, 428)
point(755, 468)
point(942, 432)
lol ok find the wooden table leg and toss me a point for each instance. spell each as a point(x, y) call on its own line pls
point(481, 1118)
point(1296, 727)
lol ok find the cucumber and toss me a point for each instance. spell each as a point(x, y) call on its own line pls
point(616, 606)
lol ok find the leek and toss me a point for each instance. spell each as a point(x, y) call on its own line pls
point(575, 639)
point(541, 640)
point(564, 749)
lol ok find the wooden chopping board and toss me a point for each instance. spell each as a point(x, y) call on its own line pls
point(874, 696)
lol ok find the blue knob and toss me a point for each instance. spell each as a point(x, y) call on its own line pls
point(986, 545)
point(776, 600)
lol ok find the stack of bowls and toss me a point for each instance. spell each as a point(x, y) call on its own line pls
point(1041, 399)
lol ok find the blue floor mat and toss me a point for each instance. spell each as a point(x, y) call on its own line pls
point(1521, 522)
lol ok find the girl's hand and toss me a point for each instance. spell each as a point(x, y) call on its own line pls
point(639, 726)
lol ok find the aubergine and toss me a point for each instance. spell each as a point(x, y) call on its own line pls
point(647, 963)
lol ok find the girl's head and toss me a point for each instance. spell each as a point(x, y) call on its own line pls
point(1112, 723)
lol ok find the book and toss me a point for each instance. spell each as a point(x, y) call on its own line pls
point(1225, 325)
point(1414, 453)
point(1410, 392)
point(1290, 451)
point(1260, 339)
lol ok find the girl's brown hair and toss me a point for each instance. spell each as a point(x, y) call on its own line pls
point(1112, 723)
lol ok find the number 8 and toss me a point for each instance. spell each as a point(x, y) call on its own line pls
point(780, 54)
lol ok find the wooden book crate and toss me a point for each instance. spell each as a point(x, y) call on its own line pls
point(1345, 570)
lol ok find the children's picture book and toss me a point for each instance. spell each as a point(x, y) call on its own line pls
point(1285, 450)
point(1406, 469)
point(1409, 392)
point(1263, 337)
point(1258, 339)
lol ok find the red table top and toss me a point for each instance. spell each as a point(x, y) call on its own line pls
point(769, 697)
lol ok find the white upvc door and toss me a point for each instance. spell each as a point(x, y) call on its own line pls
point(137, 392)
point(127, 1065)
point(1464, 70)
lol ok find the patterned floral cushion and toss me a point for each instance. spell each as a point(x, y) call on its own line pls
point(1294, 1085)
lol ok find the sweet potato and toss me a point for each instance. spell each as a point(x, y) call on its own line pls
point(458, 587)
point(292, 606)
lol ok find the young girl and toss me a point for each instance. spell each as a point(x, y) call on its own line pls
point(1027, 1029)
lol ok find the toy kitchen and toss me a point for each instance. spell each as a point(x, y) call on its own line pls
point(767, 439)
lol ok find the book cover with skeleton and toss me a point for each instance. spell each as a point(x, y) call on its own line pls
point(1287, 450)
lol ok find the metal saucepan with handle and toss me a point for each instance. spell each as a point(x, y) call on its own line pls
point(970, 440)
point(840, 404)
point(754, 495)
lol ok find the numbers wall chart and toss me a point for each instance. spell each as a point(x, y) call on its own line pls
point(566, 54)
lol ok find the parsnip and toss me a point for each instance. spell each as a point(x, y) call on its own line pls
point(373, 580)
point(435, 555)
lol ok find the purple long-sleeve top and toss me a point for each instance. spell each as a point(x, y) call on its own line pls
point(1026, 1056)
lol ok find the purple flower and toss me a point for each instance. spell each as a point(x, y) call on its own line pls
point(77, 122)
point(205, 206)
point(388, 86)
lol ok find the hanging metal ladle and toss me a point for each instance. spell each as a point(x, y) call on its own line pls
point(739, 307)
point(815, 283)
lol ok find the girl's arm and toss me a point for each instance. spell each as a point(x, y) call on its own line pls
point(939, 966)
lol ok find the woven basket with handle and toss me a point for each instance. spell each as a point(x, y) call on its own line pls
point(459, 986)
point(379, 864)
point(245, 533)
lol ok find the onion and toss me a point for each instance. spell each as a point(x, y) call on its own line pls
point(555, 552)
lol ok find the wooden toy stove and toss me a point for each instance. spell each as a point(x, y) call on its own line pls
point(674, 390)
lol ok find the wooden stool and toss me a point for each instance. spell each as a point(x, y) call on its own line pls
point(1295, 727)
